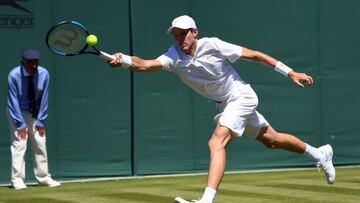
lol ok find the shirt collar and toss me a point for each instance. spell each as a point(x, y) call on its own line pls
point(24, 71)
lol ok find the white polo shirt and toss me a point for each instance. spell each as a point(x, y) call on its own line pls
point(209, 72)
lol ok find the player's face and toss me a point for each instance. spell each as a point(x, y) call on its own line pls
point(31, 66)
point(186, 39)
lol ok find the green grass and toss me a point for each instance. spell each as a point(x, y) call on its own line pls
point(290, 186)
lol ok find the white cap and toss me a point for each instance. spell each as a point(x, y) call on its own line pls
point(182, 22)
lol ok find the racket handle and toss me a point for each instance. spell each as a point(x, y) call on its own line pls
point(107, 56)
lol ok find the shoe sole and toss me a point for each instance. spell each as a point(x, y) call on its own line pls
point(20, 188)
point(179, 200)
point(54, 186)
point(329, 153)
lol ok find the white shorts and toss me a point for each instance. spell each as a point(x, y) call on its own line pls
point(239, 113)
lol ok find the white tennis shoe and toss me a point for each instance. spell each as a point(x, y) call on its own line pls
point(50, 183)
point(181, 200)
point(19, 185)
point(326, 163)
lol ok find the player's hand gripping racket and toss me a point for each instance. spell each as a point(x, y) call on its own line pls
point(68, 38)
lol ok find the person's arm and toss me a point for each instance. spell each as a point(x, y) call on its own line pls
point(135, 63)
point(13, 104)
point(14, 108)
point(268, 61)
point(39, 123)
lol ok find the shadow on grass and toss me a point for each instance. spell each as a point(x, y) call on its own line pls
point(136, 196)
point(315, 188)
point(36, 200)
point(263, 197)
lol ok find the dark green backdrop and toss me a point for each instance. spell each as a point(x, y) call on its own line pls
point(110, 122)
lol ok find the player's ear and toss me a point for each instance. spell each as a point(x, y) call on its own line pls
point(195, 32)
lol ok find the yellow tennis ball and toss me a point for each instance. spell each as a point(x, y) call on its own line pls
point(91, 40)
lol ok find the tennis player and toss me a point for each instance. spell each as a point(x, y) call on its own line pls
point(205, 65)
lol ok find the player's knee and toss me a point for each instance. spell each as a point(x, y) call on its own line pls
point(214, 144)
point(218, 142)
point(269, 137)
point(271, 142)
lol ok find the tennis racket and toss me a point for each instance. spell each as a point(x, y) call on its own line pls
point(68, 38)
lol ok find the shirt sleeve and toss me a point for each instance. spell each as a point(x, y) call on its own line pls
point(13, 104)
point(43, 102)
point(168, 59)
point(230, 51)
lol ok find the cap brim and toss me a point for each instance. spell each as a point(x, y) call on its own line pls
point(31, 58)
point(184, 28)
point(169, 30)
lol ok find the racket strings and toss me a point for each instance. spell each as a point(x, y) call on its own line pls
point(69, 39)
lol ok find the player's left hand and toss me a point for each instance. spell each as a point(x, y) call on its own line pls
point(301, 78)
point(41, 130)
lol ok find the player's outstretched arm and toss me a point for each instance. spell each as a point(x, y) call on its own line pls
point(135, 63)
point(298, 78)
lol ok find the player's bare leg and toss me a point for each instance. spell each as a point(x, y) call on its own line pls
point(273, 140)
point(217, 145)
point(322, 155)
point(221, 137)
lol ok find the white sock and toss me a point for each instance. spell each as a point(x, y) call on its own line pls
point(208, 195)
point(313, 152)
